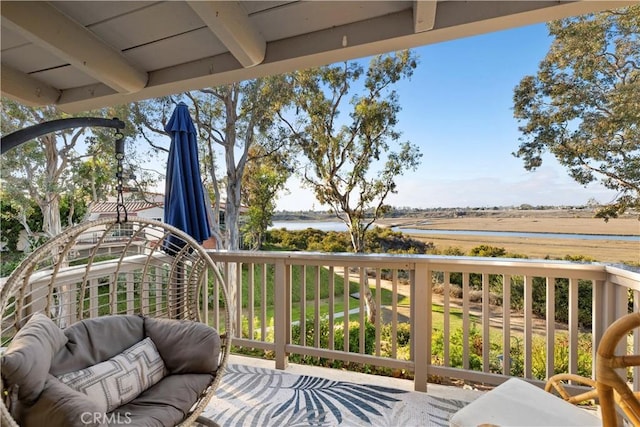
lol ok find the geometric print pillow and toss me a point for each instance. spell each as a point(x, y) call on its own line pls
point(122, 378)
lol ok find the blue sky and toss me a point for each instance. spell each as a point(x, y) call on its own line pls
point(457, 108)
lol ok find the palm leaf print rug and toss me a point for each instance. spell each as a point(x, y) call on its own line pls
point(252, 396)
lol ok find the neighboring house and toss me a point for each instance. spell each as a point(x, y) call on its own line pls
point(109, 209)
point(140, 209)
point(152, 209)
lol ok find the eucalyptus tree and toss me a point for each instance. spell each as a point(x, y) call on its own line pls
point(47, 171)
point(71, 164)
point(352, 162)
point(243, 117)
point(38, 170)
point(230, 120)
point(583, 104)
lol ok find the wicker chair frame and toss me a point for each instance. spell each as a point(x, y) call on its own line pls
point(104, 267)
point(608, 380)
point(609, 387)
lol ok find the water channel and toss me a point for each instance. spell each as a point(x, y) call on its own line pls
point(339, 226)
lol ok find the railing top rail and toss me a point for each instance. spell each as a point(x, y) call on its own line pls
point(624, 276)
point(98, 269)
point(624, 271)
point(291, 257)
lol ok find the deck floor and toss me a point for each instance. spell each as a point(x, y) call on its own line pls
point(253, 392)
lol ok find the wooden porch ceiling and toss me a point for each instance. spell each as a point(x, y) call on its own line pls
point(81, 55)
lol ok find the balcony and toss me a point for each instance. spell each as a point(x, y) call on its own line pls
point(504, 322)
point(447, 320)
point(492, 335)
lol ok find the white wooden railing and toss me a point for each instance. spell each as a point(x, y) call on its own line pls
point(138, 285)
point(277, 276)
point(273, 304)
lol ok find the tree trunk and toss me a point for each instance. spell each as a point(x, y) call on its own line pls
point(72, 209)
point(233, 244)
point(52, 224)
point(357, 239)
point(370, 303)
point(231, 218)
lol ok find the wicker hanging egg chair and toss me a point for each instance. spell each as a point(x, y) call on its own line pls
point(135, 269)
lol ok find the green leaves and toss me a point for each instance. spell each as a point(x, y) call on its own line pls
point(352, 158)
point(51, 171)
point(264, 177)
point(583, 106)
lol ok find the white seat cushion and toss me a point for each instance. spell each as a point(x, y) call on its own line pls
point(518, 403)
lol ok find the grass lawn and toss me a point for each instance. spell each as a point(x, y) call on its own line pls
point(313, 276)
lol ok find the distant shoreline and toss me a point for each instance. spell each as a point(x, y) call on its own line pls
point(563, 222)
point(590, 226)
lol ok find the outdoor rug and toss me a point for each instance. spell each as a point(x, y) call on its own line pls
point(252, 396)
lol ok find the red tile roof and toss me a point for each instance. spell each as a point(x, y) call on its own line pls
point(110, 207)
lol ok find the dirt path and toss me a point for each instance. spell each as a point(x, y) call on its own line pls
point(517, 320)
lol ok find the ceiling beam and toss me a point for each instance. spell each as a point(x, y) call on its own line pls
point(47, 27)
point(230, 23)
point(424, 15)
point(374, 36)
point(26, 89)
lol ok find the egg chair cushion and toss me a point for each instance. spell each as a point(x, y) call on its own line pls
point(27, 360)
point(186, 354)
point(165, 404)
point(186, 347)
point(59, 405)
point(92, 341)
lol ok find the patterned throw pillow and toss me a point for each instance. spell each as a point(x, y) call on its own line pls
point(120, 379)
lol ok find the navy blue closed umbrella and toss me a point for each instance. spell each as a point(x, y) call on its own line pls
point(184, 201)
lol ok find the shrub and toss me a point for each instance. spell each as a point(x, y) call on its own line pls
point(338, 341)
point(487, 251)
point(516, 353)
point(10, 261)
point(403, 333)
point(377, 240)
point(354, 337)
point(456, 344)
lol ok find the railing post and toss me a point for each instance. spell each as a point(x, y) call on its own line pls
point(598, 323)
point(616, 300)
point(551, 322)
point(421, 336)
point(528, 326)
point(573, 326)
point(615, 306)
point(282, 314)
